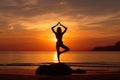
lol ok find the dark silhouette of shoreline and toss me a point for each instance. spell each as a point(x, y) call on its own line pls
point(115, 47)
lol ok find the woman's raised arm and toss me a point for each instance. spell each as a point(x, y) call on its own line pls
point(54, 27)
point(64, 28)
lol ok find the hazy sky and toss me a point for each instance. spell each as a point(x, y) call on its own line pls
point(26, 24)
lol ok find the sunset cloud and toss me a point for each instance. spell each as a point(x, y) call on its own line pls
point(92, 19)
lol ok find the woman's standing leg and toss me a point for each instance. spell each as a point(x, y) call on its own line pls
point(58, 52)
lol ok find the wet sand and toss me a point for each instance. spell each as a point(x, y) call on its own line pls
point(30, 75)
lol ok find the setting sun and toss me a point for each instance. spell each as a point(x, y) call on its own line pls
point(55, 40)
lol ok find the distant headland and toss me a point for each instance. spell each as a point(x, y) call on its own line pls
point(115, 47)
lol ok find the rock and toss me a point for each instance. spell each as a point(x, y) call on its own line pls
point(80, 71)
point(54, 69)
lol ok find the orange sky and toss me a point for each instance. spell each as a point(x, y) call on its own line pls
point(26, 24)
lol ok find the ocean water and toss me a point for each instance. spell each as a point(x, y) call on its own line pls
point(76, 59)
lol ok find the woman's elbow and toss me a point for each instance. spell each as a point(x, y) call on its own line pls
point(66, 28)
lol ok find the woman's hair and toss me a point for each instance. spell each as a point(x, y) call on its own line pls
point(59, 30)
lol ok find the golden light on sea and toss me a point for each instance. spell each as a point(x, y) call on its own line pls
point(55, 59)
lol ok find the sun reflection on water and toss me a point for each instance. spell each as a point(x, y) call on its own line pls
point(55, 60)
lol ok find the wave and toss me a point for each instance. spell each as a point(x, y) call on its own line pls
point(85, 64)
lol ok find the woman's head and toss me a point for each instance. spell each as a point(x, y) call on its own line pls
point(59, 30)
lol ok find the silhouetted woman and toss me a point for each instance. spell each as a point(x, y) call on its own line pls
point(59, 34)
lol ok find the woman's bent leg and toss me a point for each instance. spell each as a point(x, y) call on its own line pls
point(58, 52)
point(65, 47)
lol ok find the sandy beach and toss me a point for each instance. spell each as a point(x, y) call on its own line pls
point(30, 75)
